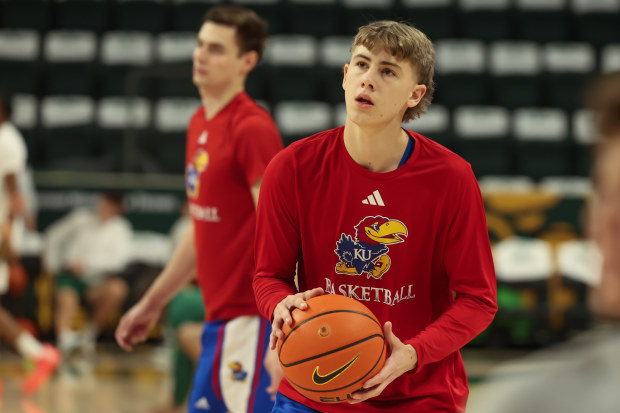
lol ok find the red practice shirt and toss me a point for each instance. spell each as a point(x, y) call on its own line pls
point(411, 244)
point(225, 156)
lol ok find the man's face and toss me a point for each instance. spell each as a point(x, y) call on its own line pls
point(107, 209)
point(606, 225)
point(379, 87)
point(217, 61)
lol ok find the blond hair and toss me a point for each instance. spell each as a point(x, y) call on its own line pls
point(407, 43)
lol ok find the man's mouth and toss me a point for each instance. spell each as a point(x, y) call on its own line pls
point(364, 99)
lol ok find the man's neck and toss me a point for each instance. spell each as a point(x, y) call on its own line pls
point(376, 149)
point(215, 100)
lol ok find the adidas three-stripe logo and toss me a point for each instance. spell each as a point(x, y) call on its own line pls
point(374, 199)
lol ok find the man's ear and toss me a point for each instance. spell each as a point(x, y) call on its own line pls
point(250, 60)
point(416, 95)
point(345, 70)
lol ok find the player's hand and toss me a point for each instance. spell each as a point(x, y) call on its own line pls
point(403, 358)
point(272, 365)
point(282, 312)
point(135, 325)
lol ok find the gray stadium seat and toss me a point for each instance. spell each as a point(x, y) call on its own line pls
point(542, 20)
point(610, 58)
point(70, 62)
point(68, 124)
point(460, 66)
point(164, 147)
point(187, 15)
point(122, 55)
point(313, 17)
point(139, 15)
point(523, 267)
point(118, 119)
point(91, 15)
point(26, 14)
point(19, 59)
point(334, 53)
point(597, 21)
point(436, 18)
point(483, 134)
point(516, 68)
point(585, 137)
point(270, 10)
point(542, 145)
point(292, 73)
point(486, 20)
point(568, 67)
point(361, 12)
point(174, 52)
point(297, 119)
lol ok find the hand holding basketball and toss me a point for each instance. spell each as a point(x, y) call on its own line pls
point(282, 312)
point(403, 357)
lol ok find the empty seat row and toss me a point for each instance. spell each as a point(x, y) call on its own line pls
point(452, 55)
point(512, 74)
point(544, 20)
point(297, 118)
point(529, 141)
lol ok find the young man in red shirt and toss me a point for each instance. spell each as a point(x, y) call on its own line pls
point(230, 141)
point(387, 217)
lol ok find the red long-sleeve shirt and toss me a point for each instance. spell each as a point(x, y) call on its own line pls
point(225, 157)
point(411, 244)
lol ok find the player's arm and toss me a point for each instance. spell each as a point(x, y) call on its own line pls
point(137, 322)
point(472, 278)
point(469, 266)
point(278, 243)
point(17, 203)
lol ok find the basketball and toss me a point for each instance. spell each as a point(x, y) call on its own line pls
point(332, 348)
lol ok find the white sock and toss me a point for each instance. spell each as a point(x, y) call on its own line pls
point(67, 340)
point(28, 346)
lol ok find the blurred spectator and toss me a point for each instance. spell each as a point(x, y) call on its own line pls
point(12, 210)
point(584, 374)
point(87, 251)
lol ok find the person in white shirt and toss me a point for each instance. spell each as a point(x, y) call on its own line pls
point(87, 251)
point(12, 210)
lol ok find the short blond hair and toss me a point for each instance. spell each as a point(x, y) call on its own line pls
point(407, 43)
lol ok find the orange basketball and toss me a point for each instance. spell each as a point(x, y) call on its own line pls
point(332, 348)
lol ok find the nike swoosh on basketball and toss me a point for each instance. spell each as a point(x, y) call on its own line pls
point(320, 379)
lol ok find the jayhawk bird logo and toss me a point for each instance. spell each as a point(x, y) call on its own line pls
point(193, 170)
point(367, 253)
point(238, 374)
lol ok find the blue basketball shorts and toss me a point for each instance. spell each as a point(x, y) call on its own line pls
point(285, 405)
point(230, 376)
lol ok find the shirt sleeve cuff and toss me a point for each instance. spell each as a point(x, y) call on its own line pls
point(417, 345)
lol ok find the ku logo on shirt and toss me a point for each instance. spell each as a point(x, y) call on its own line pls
point(367, 253)
point(193, 170)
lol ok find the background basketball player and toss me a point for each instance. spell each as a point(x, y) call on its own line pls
point(229, 143)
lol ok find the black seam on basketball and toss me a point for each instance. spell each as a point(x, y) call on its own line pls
point(319, 315)
point(331, 351)
point(343, 387)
